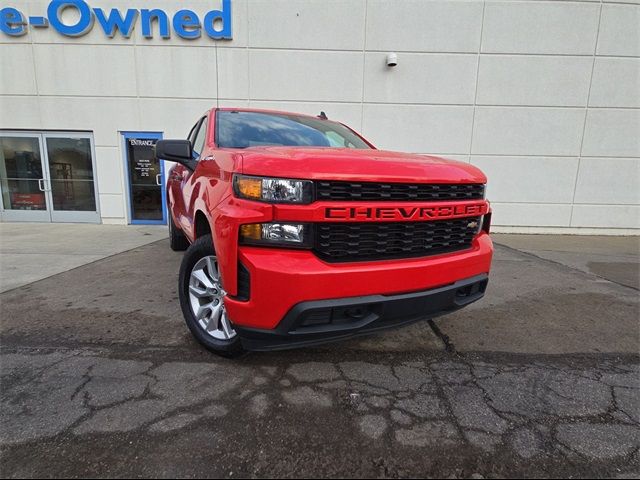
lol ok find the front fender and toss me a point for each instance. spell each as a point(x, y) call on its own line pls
point(226, 219)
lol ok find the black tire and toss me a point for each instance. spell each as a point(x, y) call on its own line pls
point(177, 239)
point(202, 247)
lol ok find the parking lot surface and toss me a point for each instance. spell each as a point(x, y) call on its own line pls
point(100, 377)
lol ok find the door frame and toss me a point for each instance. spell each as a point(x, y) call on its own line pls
point(127, 175)
point(38, 216)
point(50, 215)
point(63, 216)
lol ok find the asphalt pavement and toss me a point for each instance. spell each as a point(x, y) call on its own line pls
point(100, 378)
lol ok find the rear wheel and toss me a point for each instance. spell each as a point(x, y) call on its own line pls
point(202, 300)
point(177, 239)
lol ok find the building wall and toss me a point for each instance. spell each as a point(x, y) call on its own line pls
point(544, 96)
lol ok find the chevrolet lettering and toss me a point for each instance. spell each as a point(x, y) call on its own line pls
point(404, 213)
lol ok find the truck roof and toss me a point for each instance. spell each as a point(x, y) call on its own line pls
point(265, 110)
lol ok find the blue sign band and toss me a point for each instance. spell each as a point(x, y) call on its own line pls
point(217, 24)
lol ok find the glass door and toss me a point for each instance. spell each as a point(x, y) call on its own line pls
point(47, 177)
point(72, 183)
point(22, 178)
point(145, 175)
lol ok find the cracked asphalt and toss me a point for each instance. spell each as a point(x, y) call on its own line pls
point(100, 378)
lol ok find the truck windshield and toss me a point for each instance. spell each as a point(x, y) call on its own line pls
point(253, 129)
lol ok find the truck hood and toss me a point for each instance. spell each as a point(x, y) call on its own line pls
point(360, 165)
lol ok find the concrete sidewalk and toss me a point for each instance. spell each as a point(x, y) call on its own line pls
point(33, 251)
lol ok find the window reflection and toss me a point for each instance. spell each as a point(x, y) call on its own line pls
point(254, 129)
point(20, 170)
point(71, 169)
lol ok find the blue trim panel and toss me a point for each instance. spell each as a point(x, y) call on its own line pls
point(145, 136)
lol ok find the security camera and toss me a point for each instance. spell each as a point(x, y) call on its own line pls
point(392, 59)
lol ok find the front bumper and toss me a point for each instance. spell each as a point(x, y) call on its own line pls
point(314, 322)
point(281, 279)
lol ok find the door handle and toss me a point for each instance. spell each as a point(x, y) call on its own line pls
point(159, 180)
point(41, 185)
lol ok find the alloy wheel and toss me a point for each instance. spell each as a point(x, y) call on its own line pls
point(206, 297)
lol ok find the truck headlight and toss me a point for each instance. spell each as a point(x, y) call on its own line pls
point(292, 235)
point(273, 190)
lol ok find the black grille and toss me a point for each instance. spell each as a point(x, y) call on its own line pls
point(349, 242)
point(329, 190)
point(244, 283)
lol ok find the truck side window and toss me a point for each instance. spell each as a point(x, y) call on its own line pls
point(198, 144)
point(198, 136)
point(192, 134)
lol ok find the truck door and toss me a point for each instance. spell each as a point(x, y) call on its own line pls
point(189, 179)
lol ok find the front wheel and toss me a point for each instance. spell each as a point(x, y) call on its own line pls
point(202, 300)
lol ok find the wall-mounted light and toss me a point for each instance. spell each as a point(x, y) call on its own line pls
point(392, 59)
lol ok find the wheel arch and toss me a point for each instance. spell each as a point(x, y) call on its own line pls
point(202, 225)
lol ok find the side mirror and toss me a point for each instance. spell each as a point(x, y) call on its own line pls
point(179, 151)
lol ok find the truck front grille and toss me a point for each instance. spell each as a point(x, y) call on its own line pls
point(368, 191)
point(352, 242)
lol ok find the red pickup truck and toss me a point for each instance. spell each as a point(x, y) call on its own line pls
point(299, 231)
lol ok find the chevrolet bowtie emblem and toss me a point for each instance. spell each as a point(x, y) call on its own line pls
point(473, 224)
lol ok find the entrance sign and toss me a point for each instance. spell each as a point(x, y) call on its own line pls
point(186, 23)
